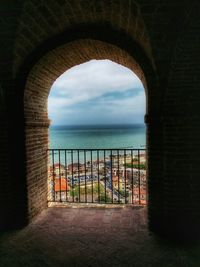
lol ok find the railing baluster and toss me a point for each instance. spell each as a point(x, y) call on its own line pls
point(132, 174)
point(139, 175)
point(125, 174)
point(105, 175)
point(66, 181)
point(59, 176)
point(72, 164)
point(85, 176)
point(118, 176)
point(98, 177)
point(111, 178)
point(91, 170)
point(54, 194)
point(79, 189)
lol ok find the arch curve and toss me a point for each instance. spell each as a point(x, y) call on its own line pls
point(78, 16)
point(78, 46)
point(57, 61)
point(40, 71)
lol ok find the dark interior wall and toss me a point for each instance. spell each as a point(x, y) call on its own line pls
point(175, 197)
point(4, 172)
point(182, 131)
point(8, 26)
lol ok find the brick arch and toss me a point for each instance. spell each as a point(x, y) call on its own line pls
point(38, 83)
point(39, 21)
point(59, 60)
point(92, 41)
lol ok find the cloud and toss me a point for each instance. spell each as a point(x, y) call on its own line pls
point(93, 86)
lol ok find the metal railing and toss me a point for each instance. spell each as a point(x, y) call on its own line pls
point(97, 176)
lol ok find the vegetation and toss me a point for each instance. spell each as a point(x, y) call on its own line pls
point(88, 190)
point(123, 193)
point(99, 192)
point(104, 198)
point(136, 166)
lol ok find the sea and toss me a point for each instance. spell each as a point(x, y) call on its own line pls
point(98, 136)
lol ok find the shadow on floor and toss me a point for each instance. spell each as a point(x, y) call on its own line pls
point(92, 237)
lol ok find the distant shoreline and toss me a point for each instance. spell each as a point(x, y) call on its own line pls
point(98, 136)
point(90, 126)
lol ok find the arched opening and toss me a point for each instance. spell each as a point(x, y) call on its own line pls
point(39, 82)
point(97, 136)
point(32, 30)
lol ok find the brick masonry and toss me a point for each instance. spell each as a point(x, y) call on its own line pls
point(159, 41)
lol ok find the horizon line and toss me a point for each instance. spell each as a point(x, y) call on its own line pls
point(102, 124)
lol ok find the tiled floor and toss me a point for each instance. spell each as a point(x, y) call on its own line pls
point(92, 237)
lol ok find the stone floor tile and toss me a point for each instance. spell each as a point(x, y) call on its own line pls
point(92, 237)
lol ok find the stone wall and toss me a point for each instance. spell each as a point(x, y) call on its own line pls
point(37, 87)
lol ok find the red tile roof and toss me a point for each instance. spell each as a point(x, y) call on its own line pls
point(61, 185)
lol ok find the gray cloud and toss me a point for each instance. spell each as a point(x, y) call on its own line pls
point(88, 83)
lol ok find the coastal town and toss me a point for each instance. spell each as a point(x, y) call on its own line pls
point(116, 178)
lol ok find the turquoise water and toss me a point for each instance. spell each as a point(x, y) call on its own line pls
point(98, 136)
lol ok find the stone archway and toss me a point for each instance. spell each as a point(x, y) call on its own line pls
point(38, 84)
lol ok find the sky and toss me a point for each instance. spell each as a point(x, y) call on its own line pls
point(97, 92)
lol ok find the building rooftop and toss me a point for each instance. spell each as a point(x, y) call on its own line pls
point(61, 185)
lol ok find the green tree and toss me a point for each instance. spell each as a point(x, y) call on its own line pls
point(105, 198)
